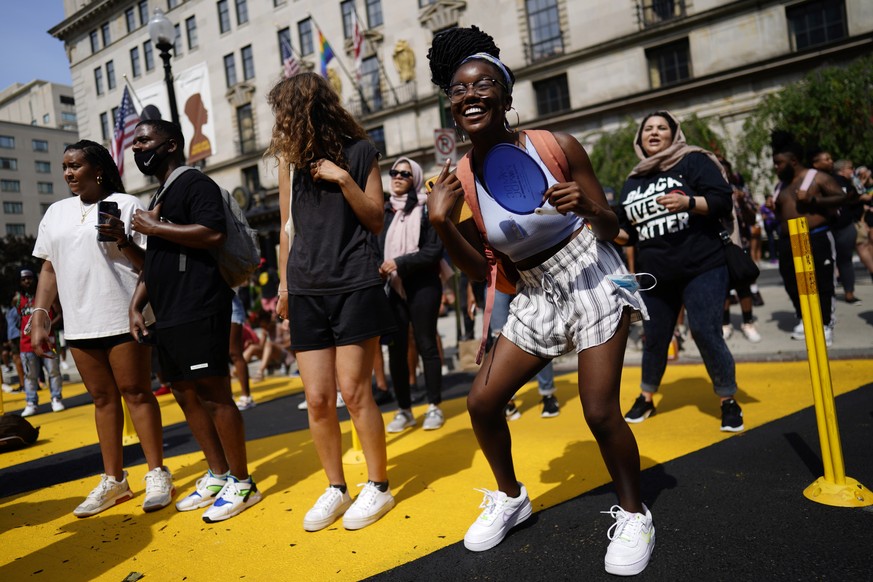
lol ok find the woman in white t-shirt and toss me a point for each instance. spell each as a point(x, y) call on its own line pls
point(94, 281)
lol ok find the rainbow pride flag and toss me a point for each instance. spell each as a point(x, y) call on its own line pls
point(326, 53)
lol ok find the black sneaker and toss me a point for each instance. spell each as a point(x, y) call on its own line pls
point(757, 300)
point(551, 408)
point(382, 396)
point(731, 416)
point(511, 411)
point(640, 411)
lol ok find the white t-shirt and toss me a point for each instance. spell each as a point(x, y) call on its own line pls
point(95, 281)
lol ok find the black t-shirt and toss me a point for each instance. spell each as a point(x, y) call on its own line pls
point(676, 245)
point(332, 252)
point(183, 283)
point(849, 212)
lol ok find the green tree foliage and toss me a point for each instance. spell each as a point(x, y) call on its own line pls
point(613, 155)
point(831, 108)
point(15, 253)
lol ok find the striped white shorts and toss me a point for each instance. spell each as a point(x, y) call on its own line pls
point(568, 302)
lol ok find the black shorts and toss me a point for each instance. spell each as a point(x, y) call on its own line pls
point(100, 343)
point(323, 321)
point(195, 350)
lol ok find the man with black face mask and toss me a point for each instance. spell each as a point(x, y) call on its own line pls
point(815, 195)
point(192, 306)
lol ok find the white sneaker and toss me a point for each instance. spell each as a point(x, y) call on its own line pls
point(64, 365)
point(107, 494)
point(727, 331)
point(234, 498)
point(501, 513)
point(57, 405)
point(159, 489)
point(7, 388)
point(340, 403)
point(433, 418)
point(829, 336)
point(245, 402)
point(632, 539)
point(403, 419)
point(797, 333)
point(329, 507)
point(370, 505)
point(205, 491)
point(302, 405)
point(29, 410)
point(751, 332)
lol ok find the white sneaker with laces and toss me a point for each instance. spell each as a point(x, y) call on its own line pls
point(829, 336)
point(329, 507)
point(108, 493)
point(205, 491)
point(245, 402)
point(369, 506)
point(797, 333)
point(159, 489)
point(29, 410)
point(727, 331)
point(751, 332)
point(500, 514)
point(433, 418)
point(632, 539)
point(403, 419)
point(57, 405)
point(234, 498)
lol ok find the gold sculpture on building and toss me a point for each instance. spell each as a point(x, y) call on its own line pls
point(404, 61)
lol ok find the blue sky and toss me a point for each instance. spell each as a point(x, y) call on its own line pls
point(29, 51)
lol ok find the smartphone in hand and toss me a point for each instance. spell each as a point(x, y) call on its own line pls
point(105, 207)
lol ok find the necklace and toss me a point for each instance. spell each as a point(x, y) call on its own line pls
point(84, 212)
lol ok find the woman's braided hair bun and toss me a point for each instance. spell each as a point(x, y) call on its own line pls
point(452, 46)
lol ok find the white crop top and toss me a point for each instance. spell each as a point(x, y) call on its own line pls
point(520, 236)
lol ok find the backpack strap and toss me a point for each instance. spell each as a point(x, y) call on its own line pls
point(550, 152)
point(807, 180)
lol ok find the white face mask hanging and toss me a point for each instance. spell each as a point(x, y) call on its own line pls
point(630, 281)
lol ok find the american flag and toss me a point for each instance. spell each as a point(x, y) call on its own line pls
point(125, 121)
point(289, 63)
point(357, 45)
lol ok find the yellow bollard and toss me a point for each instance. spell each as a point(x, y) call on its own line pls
point(355, 455)
point(834, 488)
point(128, 434)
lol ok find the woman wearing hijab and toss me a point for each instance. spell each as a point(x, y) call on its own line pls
point(412, 251)
point(671, 207)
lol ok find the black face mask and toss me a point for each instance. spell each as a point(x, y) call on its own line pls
point(148, 161)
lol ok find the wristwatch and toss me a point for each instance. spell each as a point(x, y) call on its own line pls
point(692, 202)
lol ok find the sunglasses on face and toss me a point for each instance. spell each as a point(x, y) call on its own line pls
point(402, 173)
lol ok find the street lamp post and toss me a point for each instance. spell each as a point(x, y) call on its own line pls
point(163, 35)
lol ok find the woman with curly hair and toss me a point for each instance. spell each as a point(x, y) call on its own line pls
point(572, 292)
point(330, 290)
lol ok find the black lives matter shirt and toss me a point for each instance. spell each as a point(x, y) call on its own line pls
point(676, 245)
point(184, 283)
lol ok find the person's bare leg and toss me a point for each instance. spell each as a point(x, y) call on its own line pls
point(236, 358)
point(200, 422)
point(318, 372)
point(217, 399)
point(379, 370)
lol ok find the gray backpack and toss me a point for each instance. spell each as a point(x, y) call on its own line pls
point(240, 255)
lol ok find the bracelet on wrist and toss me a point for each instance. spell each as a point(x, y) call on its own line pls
point(692, 202)
point(124, 244)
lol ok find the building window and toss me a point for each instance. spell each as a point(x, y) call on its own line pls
point(104, 125)
point(110, 75)
point(304, 31)
point(45, 187)
point(370, 84)
point(248, 62)
point(191, 30)
point(347, 10)
point(67, 100)
point(284, 37)
point(46, 118)
point(68, 117)
point(14, 230)
point(377, 136)
point(104, 32)
point(242, 12)
point(246, 125)
point(130, 19)
point(43, 167)
point(143, 7)
point(816, 23)
point(95, 41)
point(8, 164)
point(251, 178)
point(40, 145)
point(173, 3)
point(7, 141)
point(223, 16)
point(13, 208)
point(545, 29)
point(149, 55)
point(43, 207)
point(553, 95)
point(669, 63)
point(656, 11)
point(98, 80)
point(10, 186)
point(423, 3)
point(135, 66)
point(374, 13)
point(230, 70)
point(177, 41)
point(277, 3)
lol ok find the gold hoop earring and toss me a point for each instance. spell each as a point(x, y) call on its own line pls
point(506, 124)
point(100, 179)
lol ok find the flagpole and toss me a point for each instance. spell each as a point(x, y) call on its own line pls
point(339, 62)
point(378, 60)
point(132, 90)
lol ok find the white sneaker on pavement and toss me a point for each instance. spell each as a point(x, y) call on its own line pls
point(57, 405)
point(403, 419)
point(29, 410)
point(205, 491)
point(500, 514)
point(108, 493)
point(751, 332)
point(368, 507)
point(159, 489)
point(727, 331)
point(632, 539)
point(329, 507)
point(235, 497)
point(433, 418)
